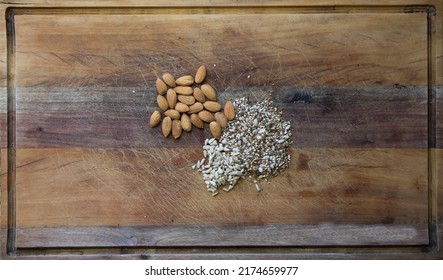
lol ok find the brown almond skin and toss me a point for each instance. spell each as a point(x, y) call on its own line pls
point(160, 86)
point(169, 80)
point(215, 129)
point(200, 75)
point(198, 95)
point(185, 80)
point(195, 108)
point(185, 90)
point(209, 92)
point(206, 116)
point(196, 121)
point(166, 126)
point(229, 110)
point(155, 119)
point(171, 97)
point(185, 122)
point(186, 99)
point(221, 119)
point(162, 103)
point(212, 106)
point(173, 114)
point(181, 107)
point(176, 129)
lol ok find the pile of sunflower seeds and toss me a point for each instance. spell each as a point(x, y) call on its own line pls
point(255, 144)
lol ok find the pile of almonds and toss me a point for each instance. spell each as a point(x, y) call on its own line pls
point(186, 102)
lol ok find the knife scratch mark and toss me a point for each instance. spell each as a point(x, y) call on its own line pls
point(31, 162)
point(59, 57)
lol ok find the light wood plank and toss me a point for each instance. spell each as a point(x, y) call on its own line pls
point(356, 50)
point(141, 187)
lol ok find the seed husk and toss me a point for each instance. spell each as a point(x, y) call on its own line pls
point(166, 126)
point(186, 99)
point(169, 80)
point(200, 75)
point(185, 80)
point(196, 121)
point(160, 86)
point(198, 95)
point(155, 119)
point(206, 116)
point(173, 114)
point(212, 106)
point(181, 107)
point(162, 103)
point(185, 90)
point(229, 110)
point(171, 97)
point(215, 129)
point(185, 122)
point(221, 119)
point(255, 144)
point(176, 129)
point(195, 108)
point(209, 92)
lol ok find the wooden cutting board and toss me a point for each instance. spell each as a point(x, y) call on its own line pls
point(82, 171)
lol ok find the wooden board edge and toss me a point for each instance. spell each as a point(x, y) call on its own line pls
point(439, 79)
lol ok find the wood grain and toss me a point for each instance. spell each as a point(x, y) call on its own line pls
point(143, 187)
point(325, 6)
point(222, 236)
point(320, 118)
point(355, 80)
point(350, 51)
point(54, 207)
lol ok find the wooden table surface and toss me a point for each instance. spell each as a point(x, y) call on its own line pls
point(84, 176)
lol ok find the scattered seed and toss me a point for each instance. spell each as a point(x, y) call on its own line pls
point(255, 144)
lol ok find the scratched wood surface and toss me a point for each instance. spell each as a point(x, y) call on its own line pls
point(90, 172)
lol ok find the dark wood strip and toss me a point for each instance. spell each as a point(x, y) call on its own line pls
point(439, 117)
point(185, 236)
point(337, 118)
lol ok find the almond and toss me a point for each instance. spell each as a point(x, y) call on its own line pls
point(195, 108)
point(162, 102)
point(181, 107)
point(185, 121)
point(198, 95)
point(176, 129)
point(185, 90)
point(185, 80)
point(229, 110)
point(200, 75)
point(166, 126)
point(221, 119)
point(212, 106)
point(169, 79)
point(173, 114)
point(186, 99)
point(209, 92)
point(215, 129)
point(160, 86)
point(155, 119)
point(206, 116)
point(171, 97)
point(196, 121)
